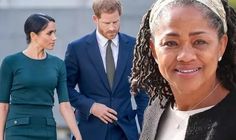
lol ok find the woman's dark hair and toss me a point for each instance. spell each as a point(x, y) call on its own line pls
point(145, 71)
point(36, 23)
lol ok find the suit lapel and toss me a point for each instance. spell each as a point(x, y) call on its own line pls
point(96, 59)
point(152, 118)
point(123, 56)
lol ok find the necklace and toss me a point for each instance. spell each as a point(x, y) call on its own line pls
point(197, 104)
point(202, 100)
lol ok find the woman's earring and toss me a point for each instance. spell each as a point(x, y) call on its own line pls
point(220, 58)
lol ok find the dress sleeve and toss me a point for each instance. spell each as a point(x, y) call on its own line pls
point(6, 79)
point(62, 91)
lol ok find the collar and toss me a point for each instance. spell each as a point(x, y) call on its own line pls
point(103, 40)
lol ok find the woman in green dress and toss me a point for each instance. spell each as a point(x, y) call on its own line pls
point(27, 83)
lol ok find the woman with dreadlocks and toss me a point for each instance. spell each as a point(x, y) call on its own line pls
point(185, 58)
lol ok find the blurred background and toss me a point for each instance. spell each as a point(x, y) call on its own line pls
point(233, 3)
point(73, 19)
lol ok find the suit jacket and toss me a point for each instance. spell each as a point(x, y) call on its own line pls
point(217, 123)
point(85, 68)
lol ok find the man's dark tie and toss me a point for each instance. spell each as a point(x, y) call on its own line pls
point(110, 65)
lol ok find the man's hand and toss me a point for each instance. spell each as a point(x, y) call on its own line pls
point(104, 113)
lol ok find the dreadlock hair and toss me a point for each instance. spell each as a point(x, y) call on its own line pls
point(145, 72)
point(226, 71)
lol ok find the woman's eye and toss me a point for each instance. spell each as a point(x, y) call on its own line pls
point(170, 43)
point(200, 42)
point(50, 33)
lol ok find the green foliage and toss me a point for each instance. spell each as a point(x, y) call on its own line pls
point(233, 3)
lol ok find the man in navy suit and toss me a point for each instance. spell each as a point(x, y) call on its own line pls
point(103, 106)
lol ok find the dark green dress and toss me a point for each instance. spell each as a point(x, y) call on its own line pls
point(28, 86)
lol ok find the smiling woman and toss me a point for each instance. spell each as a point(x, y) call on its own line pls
point(186, 50)
point(185, 59)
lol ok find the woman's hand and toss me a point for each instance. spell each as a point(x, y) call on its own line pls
point(68, 115)
point(3, 111)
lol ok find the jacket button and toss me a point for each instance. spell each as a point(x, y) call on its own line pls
point(15, 122)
